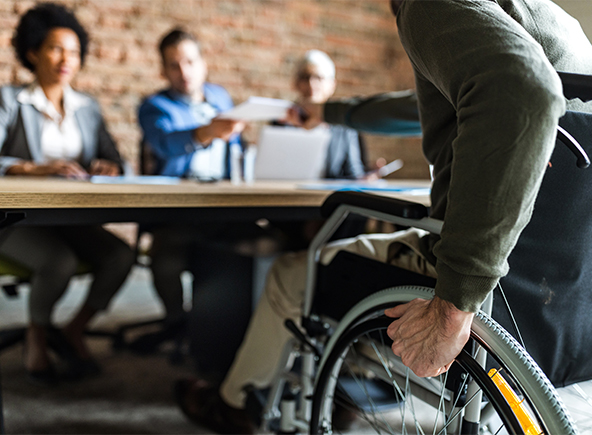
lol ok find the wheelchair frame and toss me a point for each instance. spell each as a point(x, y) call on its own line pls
point(297, 416)
point(295, 411)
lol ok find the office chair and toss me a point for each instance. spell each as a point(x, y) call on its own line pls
point(495, 385)
point(12, 276)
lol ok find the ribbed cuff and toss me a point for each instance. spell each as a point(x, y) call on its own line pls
point(466, 292)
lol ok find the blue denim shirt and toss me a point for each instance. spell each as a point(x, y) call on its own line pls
point(168, 121)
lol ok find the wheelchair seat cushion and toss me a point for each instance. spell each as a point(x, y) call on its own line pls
point(349, 278)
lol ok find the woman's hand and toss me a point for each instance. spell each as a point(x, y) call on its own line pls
point(63, 168)
point(104, 167)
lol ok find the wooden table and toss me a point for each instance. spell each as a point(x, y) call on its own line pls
point(52, 201)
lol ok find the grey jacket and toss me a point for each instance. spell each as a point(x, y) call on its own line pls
point(344, 155)
point(20, 132)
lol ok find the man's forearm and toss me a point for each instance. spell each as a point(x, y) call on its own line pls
point(393, 113)
point(203, 136)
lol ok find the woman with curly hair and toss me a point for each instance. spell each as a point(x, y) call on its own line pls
point(48, 129)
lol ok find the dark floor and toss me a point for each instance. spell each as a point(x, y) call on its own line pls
point(133, 395)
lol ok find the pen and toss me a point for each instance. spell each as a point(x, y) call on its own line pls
point(387, 169)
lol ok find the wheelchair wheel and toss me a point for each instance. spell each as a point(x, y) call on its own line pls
point(362, 379)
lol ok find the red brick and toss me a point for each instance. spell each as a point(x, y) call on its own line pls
point(6, 6)
point(21, 6)
point(251, 48)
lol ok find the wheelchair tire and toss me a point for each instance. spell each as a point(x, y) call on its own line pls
point(361, 376)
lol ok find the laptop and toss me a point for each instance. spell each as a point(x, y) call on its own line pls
point(291, 153)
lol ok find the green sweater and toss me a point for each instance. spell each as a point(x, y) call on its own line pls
point(489, 102)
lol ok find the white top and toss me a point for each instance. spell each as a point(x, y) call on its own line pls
point(60, 136)
point(208, 162)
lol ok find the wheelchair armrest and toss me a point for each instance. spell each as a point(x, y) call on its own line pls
point(392, 206)
point(576, 86)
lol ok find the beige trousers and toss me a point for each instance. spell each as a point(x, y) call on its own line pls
point(258, 357)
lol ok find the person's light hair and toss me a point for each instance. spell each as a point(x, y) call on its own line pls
point(319, 59)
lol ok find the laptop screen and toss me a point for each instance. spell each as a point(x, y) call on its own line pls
point(290, 153)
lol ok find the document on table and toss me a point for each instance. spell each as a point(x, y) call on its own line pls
point(371, 186)
point(258, 109)
point(135, 179)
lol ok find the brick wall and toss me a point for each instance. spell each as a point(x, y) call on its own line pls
point(250, 46)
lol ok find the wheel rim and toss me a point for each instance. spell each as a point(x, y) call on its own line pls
point(446, 408)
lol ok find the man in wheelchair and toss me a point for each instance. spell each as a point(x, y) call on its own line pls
point(489, 101)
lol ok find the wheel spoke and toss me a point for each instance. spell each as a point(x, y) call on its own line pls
point(438, 405)
point(458, 413)
point(407, 397)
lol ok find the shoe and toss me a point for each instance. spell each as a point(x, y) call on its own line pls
point(43, 378)
point(76, 368)
point(47, 377)
point(58, 342)
point(202, 404)
point(149, 343)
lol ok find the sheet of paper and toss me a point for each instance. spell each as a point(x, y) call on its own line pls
point(135, 179)
point(361, 186)
point(258, 109)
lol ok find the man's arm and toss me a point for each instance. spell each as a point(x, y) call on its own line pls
point(506, 100)
point(166, 140)
point(392, 113)
point(219, 128)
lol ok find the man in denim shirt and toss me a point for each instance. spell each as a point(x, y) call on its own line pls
point(179, 123)
point(183, 138)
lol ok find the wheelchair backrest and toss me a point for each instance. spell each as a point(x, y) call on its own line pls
point(549, 287)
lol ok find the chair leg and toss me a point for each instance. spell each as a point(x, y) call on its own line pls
point(2, 430)
point(118, 336)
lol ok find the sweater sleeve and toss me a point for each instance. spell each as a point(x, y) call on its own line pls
point(505, 100)
point(392, 113)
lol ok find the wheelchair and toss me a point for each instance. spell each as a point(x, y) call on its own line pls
point(495, 385)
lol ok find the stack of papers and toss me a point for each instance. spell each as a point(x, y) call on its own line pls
point(258, 109)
